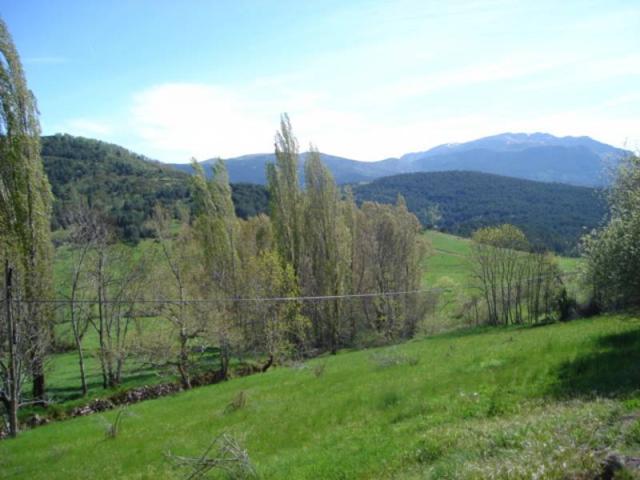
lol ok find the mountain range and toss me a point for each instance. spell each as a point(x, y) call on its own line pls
point(539, 156)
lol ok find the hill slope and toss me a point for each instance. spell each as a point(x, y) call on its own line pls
point(552, 215)
point(487, 403)
point(125, 185)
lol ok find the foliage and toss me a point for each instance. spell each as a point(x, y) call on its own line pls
point(613, 252)
point(552, 215)
point(25, 236)
point(516, 285)
point(337, 250)
point(286, 197)
point(389, 253)
point(124, 186)
point(324, 271)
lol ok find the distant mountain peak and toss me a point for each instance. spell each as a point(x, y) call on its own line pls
point(534, 156)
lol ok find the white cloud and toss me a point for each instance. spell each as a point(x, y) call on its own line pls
point(184, 120)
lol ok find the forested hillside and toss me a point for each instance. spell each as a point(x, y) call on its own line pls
point(125, 186)
point(552, 215)
point(122, 184)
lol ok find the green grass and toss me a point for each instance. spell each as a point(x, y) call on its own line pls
point(450, 257)
point(499, 403)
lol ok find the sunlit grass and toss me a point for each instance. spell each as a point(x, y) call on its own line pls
point(467, 405)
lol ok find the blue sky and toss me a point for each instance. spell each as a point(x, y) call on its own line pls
point(363, 79)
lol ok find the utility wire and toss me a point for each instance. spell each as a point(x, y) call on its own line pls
point(259, 299)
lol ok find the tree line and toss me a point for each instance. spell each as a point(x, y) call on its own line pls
point(515, 284)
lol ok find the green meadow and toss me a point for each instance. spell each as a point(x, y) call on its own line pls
point(481, 403)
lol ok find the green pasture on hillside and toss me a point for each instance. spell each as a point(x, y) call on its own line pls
point(483, 403)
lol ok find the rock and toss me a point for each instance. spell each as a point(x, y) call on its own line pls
point(615, 463)
point(36, 420)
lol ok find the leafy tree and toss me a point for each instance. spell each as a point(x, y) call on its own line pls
point(25, 209)
point(326, 251)
point(216, 232)
point(613, 252)
point(176, 270)
point(515, 284)
point(285, 196)
point(391, 252)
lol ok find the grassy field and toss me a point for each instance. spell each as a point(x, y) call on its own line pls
point(484, 403)
point(450, 257)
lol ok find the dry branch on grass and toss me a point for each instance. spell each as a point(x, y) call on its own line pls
point(238, 402)
point(225, 453)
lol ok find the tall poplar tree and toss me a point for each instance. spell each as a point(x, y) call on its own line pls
point(216, 232)
point(25, 211)
point(327, 249)
point(286, 198)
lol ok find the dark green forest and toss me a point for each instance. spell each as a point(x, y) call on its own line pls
point(123, 185)
point(552, 215)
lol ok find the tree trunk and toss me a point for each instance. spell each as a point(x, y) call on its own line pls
point(39, 386)
point(78, 342)
point(13, 417)
point(83, 375)
point(183, 362)
point(13, 395)
point(101, 324)
point(224, 359)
